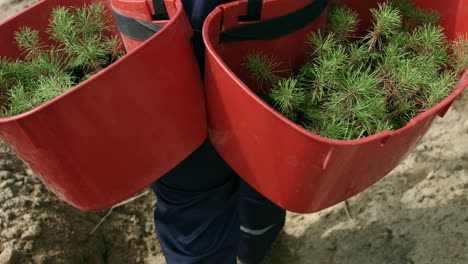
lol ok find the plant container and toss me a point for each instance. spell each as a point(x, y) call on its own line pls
point(297, 169)
point(117, 132)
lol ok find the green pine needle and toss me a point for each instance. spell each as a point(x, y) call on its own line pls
point(343, 21)
point(416, 16)
point(81, 32)
point(322, 45)
point(20, 99)
point(439, 89)
point(84, 48)
point(387, 21)
point(29, 42)
point(427, 39)
point(263, 69)
point(460, 50)
point(357, 53)
point(288, 97)
point(353, 88)
point(323, 74)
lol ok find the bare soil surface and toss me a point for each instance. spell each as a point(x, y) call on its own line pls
point(417, 214)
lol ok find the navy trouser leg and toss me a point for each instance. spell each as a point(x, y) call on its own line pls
point(196, 213)
point(260, 222)
point(199, 206)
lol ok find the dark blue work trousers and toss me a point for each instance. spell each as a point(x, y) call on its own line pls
point(205, 213)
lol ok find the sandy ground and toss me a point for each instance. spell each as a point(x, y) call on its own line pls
point(417, 214)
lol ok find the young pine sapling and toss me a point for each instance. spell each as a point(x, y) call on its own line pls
point(85, 45)
point(353, 87)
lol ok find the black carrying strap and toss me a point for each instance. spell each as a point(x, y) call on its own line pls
point(160, 12)
point(135, 29)
point(254, 11)
point(275, 27)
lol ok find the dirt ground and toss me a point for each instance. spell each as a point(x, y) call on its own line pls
point(417, 214)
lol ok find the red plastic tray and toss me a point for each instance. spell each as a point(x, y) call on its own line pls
point(298, 170)
point(120, 130)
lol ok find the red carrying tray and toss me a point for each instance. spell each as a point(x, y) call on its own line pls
point(298, 170)
point(120, 130)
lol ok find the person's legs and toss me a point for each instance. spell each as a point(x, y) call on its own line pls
point(260, 222)
point(206, 214)
point(196, 213)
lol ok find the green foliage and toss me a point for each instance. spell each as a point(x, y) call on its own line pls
point(414, 16)
point(387, 20)
point(17, 73)
point(84, 48)
point(357, 102)
point(429, 40)
point(321, 44)
point(28, 40)
point(21, 99)
point(47, 88)
point(323, 73)
point(263, 69)
point(288, 97)
point(357, 54)
point(81, 34)
point(352, 88)
point(343, 21)
point(460, 50)
point(438, 89)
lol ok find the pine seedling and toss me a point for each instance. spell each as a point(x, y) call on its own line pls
point(312, 118)
point(320, 121)
point(332, 127)
point(322, 45)
point(288, 98)
point(430, 40)
point(460, 53)
point(51, 62)
point(356, 84)
point(357, 53)
point(427, 17)
point(62, 28)
point(90, 19)
point(49, 87)
point(386, 21)
point(400, 39)
point(349, 90)
point(80, 31)
point(343, 22)
point(323, 74)
point(306, 72)
point(263, 69)
point(18, 73)
point(406, 7)
point(113, 46)
point(414, 16)
point(438, 89)
point(29, 42)
point(20, 100)
point(407, 82)
point(371, 116)
point(4, 82)
point(84, 48)
point(358, 100)
point(390, 58)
